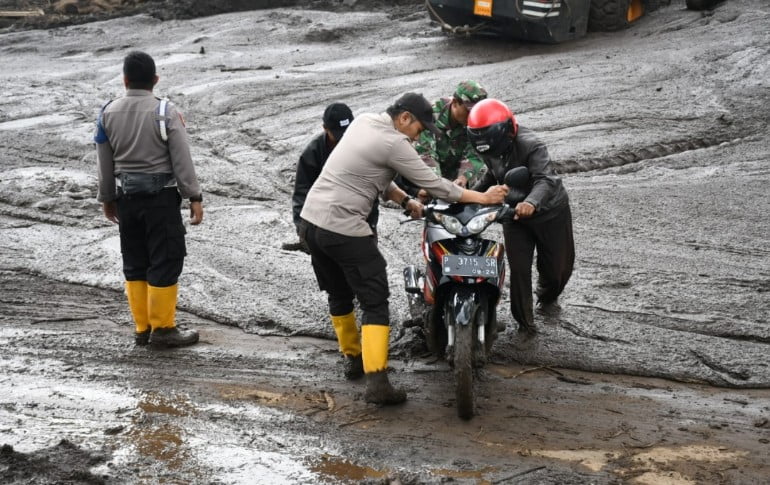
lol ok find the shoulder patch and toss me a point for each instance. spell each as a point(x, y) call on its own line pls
point(101, 136)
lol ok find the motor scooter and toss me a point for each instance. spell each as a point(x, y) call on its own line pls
point(454, 299)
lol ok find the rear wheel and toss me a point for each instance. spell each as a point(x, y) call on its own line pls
point(611, 15)
point(463, 368)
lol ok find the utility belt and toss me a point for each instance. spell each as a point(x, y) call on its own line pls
point(143, 184)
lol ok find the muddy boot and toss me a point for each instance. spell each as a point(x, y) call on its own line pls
point(296, 246)
point(173, 337)
point(527, 330)
point(549, 309)
point(353, 367)
point(162, 310)
point(142, 338)
point(374, 343)
point(379, 390)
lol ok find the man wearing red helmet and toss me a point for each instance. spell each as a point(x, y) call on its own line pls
point(542, 221)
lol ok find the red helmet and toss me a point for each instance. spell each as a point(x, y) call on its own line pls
point(491, 127)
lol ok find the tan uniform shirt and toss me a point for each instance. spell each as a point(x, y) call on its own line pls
point(128, 140)
point(360, 168)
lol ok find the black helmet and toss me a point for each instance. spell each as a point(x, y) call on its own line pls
point(491, 127)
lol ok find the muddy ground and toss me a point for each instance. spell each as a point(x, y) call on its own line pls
point(656, 371)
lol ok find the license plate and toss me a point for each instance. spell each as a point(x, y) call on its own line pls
point(469, 266)
point(482, 7)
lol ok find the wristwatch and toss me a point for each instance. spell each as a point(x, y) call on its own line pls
point(197, 198)
point(405, 201)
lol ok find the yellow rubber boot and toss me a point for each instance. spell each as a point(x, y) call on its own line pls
point(165, 333)
point(347, 334)
point(350, 344)
point(374, 343)
point(136, 291)
point(162, 306)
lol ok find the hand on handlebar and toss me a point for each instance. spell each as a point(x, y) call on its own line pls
point(523, 210)
point(496, 194)
point(462, 181)
point(414, 209)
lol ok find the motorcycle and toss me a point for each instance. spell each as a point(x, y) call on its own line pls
point(454, 299)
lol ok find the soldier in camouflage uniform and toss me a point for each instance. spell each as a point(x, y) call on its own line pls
point(451, 156)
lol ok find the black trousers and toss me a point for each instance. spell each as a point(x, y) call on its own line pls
point(347, 267)
point(555, 245)
point(152, 237)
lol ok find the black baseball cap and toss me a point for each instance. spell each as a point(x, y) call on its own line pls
point(421, 109)
point(337, 118)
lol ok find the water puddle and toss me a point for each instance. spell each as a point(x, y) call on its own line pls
point(342, 470)
point(653, 466)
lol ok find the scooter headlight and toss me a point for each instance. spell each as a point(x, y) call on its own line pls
point(451, 224)
point(479, 223)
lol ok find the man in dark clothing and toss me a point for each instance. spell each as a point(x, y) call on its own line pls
point(542, 221)
point(145, 169)
point(336, 119)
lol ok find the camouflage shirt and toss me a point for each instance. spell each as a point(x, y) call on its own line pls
point(452, 155)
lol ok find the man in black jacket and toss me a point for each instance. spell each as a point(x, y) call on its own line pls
point(336, 119)
point(542, 221)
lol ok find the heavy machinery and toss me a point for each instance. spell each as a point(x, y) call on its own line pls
point(547, 21)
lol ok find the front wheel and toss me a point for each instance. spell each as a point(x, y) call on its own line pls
point(463, 369)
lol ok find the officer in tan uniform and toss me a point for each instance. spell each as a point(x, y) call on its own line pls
point(145, 169)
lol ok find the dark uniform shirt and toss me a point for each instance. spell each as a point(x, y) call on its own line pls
point(545, 190)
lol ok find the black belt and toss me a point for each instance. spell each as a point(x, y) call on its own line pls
point(144, 183)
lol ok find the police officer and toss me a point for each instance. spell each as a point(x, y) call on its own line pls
point(345, 257)
point(336, 119)
point(543, 221)
point(145, 169)
point(450, 154)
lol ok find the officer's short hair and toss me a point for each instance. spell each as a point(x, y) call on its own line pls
point(139, 70)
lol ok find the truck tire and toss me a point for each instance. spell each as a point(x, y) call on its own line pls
point(608, 15)
point(701, 4)
point(653, 5)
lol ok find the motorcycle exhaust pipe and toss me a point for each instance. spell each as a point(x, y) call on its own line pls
point(412, 279)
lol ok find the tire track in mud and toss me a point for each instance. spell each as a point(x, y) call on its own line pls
point(653, 320)
point(649, 152)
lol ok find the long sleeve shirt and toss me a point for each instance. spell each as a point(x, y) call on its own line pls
point(128, 140)
point(361, 167)
point(545, 190)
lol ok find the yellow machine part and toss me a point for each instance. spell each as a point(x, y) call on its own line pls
point(635, 10)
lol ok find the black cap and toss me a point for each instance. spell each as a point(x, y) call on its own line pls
point(420, 108)
point(337, 118)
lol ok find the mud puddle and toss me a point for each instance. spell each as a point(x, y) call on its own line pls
point(81, 403)
point(660, 131)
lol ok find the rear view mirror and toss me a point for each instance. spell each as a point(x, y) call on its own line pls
point(517, 177)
